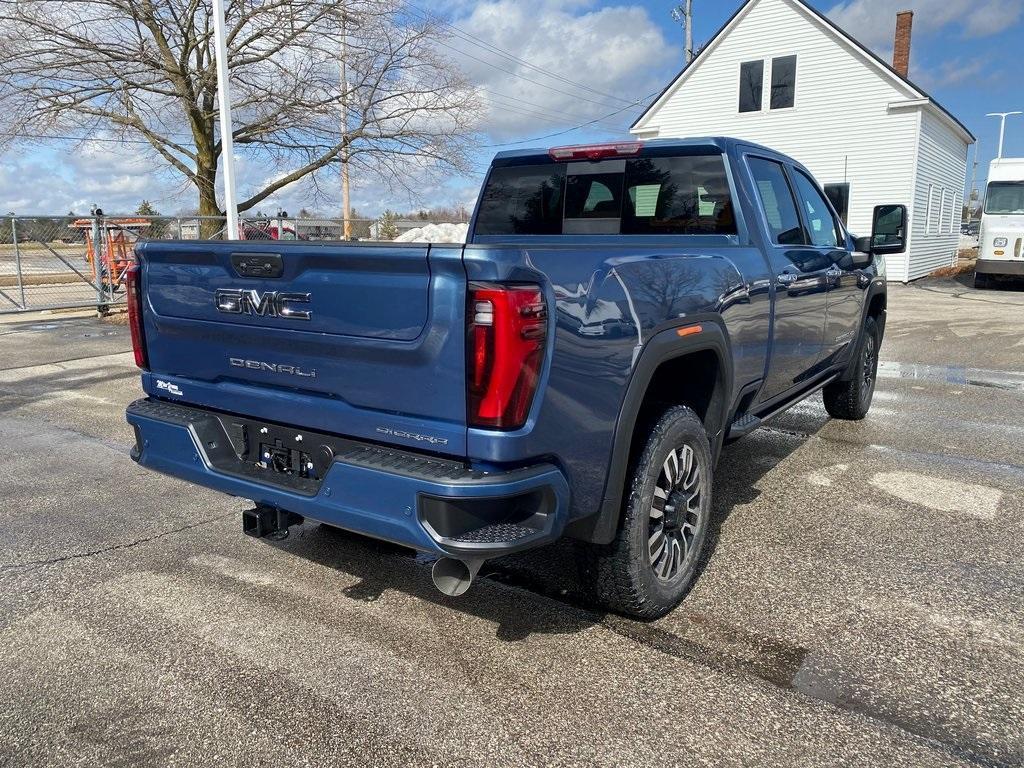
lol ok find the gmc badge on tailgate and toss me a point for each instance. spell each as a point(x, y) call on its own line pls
point(236, 301)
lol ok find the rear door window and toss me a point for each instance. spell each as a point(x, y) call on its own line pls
point(777, 201)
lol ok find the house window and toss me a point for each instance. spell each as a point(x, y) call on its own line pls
point(783, 82)
point(751, 85)
point(839, 196)
point(942, 212)
point(956, 214)
point(929, 219)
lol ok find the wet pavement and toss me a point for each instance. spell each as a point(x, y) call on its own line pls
point(862, 604)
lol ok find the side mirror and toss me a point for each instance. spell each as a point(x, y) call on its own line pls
point(888, 229)
point(861, 258)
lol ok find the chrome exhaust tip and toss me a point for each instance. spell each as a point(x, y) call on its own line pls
point(453, 577)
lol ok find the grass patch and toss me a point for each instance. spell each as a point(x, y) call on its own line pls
point(116, 317)
point(964, 265)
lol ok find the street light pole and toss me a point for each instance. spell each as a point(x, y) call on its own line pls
point(346, 202)
point(1002, 127)
point(224, 100)
point(972, 194)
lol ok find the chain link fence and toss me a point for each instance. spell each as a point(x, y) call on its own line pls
point(58, 262)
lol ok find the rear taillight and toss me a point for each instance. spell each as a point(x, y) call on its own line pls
point(507, 330)
point(133, 288)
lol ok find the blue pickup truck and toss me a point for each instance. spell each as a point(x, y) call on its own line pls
point(618, 314)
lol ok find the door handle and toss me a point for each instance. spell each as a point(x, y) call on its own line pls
point(788, 278)
point(833, 272)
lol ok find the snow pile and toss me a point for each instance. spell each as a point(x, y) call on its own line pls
point(435, 233)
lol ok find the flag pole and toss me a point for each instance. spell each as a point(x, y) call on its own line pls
point(224, 100)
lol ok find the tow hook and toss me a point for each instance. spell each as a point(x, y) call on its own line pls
point(268, 522)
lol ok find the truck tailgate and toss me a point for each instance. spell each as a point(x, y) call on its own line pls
point(362, 339)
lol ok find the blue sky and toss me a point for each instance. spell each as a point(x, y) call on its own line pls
point(631, 49)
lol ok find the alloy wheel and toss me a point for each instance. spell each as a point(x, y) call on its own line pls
point(675, 513)
point(868, 364)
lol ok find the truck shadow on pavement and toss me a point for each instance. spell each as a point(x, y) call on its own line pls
point(549, 593)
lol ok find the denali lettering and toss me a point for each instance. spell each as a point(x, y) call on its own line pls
point(412, 436)
point(236, 301)
point(259, 365)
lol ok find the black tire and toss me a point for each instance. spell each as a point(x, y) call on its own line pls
point(851, 400)
point(676, 492)
point(981, 282)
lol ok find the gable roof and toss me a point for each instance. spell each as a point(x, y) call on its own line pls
point(830, 26)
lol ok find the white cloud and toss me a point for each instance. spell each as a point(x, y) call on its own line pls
point(617, 53)
point(952, 72)
point(70, 176)
point(873, 22)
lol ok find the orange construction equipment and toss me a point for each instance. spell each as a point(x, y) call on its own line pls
point(116, 241)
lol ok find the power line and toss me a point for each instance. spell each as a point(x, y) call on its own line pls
point(479, 42)
point(570, 130)
point(541, 112)
point(525, 113)
point(522, 77)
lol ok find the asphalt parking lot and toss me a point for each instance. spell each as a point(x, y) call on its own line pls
point(864, 604)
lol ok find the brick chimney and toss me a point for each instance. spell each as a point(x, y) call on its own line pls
point(901, 47)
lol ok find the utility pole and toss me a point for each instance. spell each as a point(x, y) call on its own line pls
point(224, 100)
point(346, 204)
point(1002, 127)
point(683, 14)
point(973, 194)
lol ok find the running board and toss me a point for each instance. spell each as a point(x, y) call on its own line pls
point(743, 426)
point(748, 422)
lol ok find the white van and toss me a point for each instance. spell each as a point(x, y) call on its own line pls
point(1001, 240)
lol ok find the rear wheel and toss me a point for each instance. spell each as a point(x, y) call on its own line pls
point(851, 400)
point(647, 570)
point(981, 281)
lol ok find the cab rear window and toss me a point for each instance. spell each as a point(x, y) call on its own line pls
point(681, 195)
point(522, 200)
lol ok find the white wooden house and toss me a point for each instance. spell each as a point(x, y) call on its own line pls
point(781, 74)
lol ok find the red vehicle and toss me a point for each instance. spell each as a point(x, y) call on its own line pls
point(269, 231)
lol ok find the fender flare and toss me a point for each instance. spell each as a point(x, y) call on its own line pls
point(600, 527)
point(876, 288)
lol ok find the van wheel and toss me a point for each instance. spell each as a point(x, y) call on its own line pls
point(981, 281)
point(851, 400)
point(649, 567)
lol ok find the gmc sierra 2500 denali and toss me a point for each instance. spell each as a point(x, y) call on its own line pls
point(619, 312)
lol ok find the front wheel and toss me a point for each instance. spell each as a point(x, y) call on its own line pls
point(647, 570)
point(851, 400)
point(981, 281)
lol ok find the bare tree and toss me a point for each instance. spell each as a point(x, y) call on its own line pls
point(144, 69)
